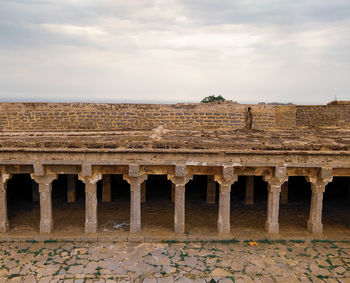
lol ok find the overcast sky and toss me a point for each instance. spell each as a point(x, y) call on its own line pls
point(175, 50)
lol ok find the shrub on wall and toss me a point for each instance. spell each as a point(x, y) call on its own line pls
point(212, 98)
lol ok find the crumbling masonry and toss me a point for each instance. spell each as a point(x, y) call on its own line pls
point(95, 141)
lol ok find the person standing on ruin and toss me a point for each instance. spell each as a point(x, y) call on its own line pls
point(248, 119)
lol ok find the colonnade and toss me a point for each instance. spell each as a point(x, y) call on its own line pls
point(276, 183)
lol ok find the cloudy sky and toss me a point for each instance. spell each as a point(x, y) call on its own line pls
point(175, 50)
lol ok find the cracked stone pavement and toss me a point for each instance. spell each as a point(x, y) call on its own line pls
point(220, 261)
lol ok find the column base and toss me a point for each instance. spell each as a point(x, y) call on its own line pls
point(46, 227)
point(179, 229)
point(223, 229)
point(271, 228)
point(90, 227)
point(314, 228)
point(4, 227)
point(248, 202)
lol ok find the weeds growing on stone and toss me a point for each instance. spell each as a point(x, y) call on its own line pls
point(13, 275)
point(50, 241)
point(297, 241)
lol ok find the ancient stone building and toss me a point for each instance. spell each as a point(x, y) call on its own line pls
point(94, 152)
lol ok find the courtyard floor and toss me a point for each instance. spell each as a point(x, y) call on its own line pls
point(220, 261)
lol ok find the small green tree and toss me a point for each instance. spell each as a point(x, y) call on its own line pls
point(212, 98)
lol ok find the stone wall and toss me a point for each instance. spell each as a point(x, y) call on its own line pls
point(105, 117)
point(323, 116)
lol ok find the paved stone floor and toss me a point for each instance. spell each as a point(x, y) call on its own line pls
point(221, 261)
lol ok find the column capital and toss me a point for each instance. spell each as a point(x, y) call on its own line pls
point(318, 184)
point(44, 179)
point(318, 187)
point(4, 177)
point(228, 181)
point(180, 180)
point(92, 179)
point(277, 178)
point(135, 180)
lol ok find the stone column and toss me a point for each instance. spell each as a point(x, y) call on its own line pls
point(225, 181)
point(35, 192)
point(45, 189)
point(249, 190)
point(106, 188)
point(4, 223)
point(91, 223)
point(135, 180)
point(179, 181)
point(273, 199)
point(274, 181)
point(173, 192)
point(179, 212)
point(284, 193)
point(318, 186)
point(71, 188)
point(179, 208)
point(224, 224)
point(143, 192)
point(211, 189)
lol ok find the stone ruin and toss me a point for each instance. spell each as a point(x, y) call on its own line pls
point(98, 153)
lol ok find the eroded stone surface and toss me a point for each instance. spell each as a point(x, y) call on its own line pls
point(234, 261)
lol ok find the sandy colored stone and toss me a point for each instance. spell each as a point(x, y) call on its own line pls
point(219, 272)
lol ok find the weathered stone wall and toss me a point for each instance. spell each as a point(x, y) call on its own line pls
point(105, 117)
point(100, 117)
point(323, 116)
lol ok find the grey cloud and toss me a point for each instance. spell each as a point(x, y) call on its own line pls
point(175, 49)
point(295, 12)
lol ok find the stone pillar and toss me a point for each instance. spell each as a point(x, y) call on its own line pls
point(106, 188)
point(284, 193)
point(273, 199)
point(173, 192)
point(4, 223)
point(45, 189)
point(71, 188)
point(35, 192)
point(224, 224)
point(274, 181)
point(135, 179)
point(179, 209)
point(249, 190)
point(135, 202)
point(179, 180)
point(211, 189)
point(179, 212)
point(91, 223)
point(225, 181)
point(143, 192)
point(318, 186)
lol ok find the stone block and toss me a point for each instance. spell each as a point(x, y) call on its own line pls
point(280, 172)
point(180, 171)
point(134, 170)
